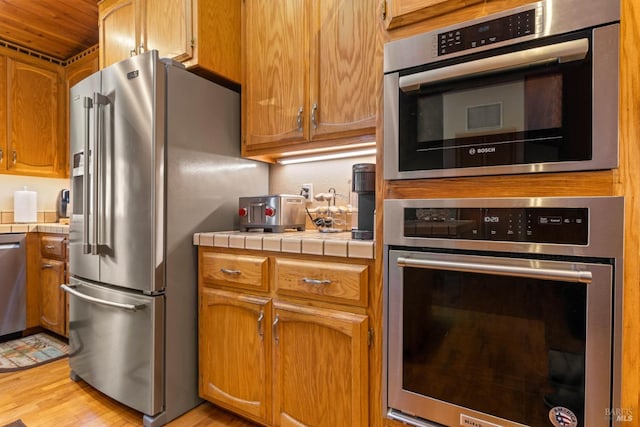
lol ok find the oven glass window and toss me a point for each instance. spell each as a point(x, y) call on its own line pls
point(531, 115)
point(510, 347)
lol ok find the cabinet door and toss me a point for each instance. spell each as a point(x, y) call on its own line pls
point(3, 112)
point(119, 30)
point(52, 301)
point(33, 144)
point(233, 351)
point(217, 38)
point(168, 28)
point(342, 74)
point(276, 62)
point(320, 367)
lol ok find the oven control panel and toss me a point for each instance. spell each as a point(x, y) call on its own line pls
point(489, 32)
point(532, 225)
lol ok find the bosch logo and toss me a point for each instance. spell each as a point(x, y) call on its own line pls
point(472, 151)
point(486, 150)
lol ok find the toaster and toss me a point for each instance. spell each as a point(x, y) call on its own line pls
point(275, 213)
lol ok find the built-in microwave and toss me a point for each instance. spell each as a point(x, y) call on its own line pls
point(531, 89)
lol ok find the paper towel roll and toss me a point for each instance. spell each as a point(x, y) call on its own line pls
point(24, 206)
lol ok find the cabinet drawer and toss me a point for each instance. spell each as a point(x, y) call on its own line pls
point(328, 281)
point(244, 271)
point(53, 247)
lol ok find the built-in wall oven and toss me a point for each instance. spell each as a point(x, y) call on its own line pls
point(503, 312)
point(531, 89)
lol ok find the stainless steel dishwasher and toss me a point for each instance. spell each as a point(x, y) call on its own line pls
point(13, 277)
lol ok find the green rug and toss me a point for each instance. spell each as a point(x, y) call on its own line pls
point(27, 352)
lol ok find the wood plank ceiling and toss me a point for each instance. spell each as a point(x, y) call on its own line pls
point(57, 28)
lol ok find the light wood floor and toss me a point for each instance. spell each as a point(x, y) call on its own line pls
point(45, 396)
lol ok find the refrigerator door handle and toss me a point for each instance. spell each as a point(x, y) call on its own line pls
point(86, 246)
point(70, 289)
point(99, 100)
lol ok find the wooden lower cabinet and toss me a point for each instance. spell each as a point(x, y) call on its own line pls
point(234, 352)
point(52, 299)
point(320, 367)
point(53, 273)
point(280, 361)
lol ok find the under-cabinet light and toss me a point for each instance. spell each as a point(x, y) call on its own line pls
point(327, 156)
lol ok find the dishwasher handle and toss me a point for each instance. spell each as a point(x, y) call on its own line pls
point(70, 289)
point(4, 246)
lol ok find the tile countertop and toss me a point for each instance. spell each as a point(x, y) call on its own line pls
point(310, 242)
point(48, 227)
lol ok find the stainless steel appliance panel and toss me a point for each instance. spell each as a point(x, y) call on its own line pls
point(13, 274)
point(130, 154)
point(417, 74)
point(596, 280)
point(82, 117)
point(204, 177)
point(420, 255)
point(555, 17)
point(117, 343)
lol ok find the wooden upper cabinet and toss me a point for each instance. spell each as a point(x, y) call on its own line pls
point(343, 77)
point(216, 39)
point(404, 12)
point(202, 34)
point(3, 112)
point(309, 74)
point(119, 30)
point(34, 125)
point(275, 86)
point(168, 28)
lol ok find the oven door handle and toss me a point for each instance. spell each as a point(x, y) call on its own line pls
point(561, 52)
point(499, 270)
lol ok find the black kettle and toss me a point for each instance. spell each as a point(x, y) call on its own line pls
point(63, 204)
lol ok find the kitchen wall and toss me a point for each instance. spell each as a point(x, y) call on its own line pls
point(47, 189)
point(288, 179)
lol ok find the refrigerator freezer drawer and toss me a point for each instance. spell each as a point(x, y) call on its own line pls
point(116, 343)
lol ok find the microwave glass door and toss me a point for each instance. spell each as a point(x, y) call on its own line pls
point(534, 114)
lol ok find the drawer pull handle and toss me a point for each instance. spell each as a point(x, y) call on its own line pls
point(50, 247)
point(227, 271)
point(316, 281)
point(47, 266)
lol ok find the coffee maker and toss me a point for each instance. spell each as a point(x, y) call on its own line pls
point(363, 183)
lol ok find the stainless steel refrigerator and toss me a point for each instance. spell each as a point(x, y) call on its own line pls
point(155, 157)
